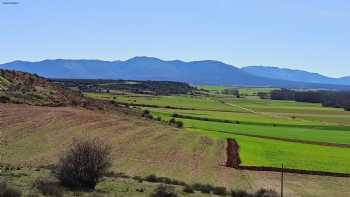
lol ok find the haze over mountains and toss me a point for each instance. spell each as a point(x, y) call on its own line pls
point(294, 75)
point(196, 72)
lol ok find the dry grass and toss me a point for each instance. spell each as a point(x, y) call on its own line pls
point(37, 136)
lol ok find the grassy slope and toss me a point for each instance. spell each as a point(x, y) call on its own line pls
point(37, 136)
point(122, 187)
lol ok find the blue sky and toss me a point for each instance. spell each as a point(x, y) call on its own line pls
point(309, 34)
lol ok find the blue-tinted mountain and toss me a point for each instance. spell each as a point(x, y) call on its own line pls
point(148, 68)
point(294, 75)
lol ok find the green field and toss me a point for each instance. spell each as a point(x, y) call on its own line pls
point(299, 135)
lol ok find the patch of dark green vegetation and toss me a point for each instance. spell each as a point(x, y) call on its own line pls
point(138, 87)
point(337, 99)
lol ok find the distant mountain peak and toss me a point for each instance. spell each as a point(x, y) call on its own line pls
point(143, 58)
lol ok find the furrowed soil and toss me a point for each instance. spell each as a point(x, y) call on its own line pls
point(36, 136)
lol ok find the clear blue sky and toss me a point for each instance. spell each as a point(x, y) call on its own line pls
point(302, 34)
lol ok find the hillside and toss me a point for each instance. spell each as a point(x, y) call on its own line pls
point(147, 68)
point(294, 75)
point(21, 87)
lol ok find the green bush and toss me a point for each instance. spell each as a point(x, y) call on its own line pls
point(172, 121)
point(179, 124)
point(164, 191)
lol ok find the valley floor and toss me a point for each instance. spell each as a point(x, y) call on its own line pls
point(37, 136)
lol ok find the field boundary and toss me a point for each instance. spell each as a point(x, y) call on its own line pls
point(289, 140)
point(294, 171)
point(319, 127)
point(170, 107)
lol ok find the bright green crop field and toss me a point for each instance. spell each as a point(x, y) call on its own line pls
point(299, 135)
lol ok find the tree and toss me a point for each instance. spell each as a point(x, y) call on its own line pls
point(84, 164)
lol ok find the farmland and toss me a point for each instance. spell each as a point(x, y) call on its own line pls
point(36, 136)
point(299, 135)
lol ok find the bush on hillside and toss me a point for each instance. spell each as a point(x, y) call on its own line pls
point(203, 188)
point(155, 179)
point(179, 124)
point(164, 191)
point(147, 114)
point(240, 193)
point(188, 189)
point(172, 121)
point(48, 188)
point(84, 164)
point(266, 193)
point(6, 191)
point(221, 191)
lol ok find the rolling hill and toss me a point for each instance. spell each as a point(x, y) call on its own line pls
point(206, 72)
point(294, 75)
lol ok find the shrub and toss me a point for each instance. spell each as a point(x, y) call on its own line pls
point(146, 113)
point(159, 118)
point(175, 115)
point(138, 179)
point(140, 190)
point(48, 188)
point(221, 191)
point(164, 191)
point(240, 193)
point(84, 164)
point(238, 122)
point(179, 124)
point(266, 193)
point(172, 121)
point(188, 189)
point(154, 179)
point(203, 188)
point(6, 191)
point(151, 178)
point(11, 192)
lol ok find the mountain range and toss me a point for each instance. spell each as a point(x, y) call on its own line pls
point(207, 72)
point(294, 75)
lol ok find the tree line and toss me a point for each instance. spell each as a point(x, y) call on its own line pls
point(338, 99)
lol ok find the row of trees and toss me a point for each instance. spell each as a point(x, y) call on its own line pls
point(326, 98)
point(140, 87)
